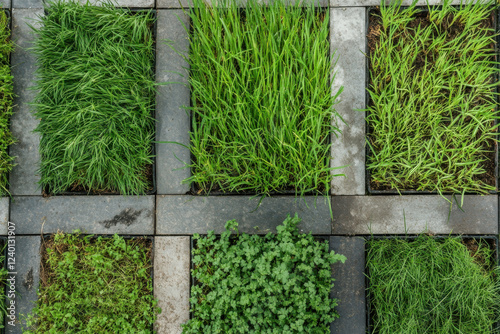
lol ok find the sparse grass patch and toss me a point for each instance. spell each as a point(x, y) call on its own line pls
point(6, 97)
point(432, 285)
point(94, 285)
point(262, 104)
point(432, 110)
point(96, 98)
point(278, 283)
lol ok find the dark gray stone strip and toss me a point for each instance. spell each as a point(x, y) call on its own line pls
point(23, 178)
point(200, 214)
point(173, 121)
point(27, 4)
point(348, 41)
point(420, 213)
point(367, 3)
point(242, 3)
point(27, 259)
point(349, 285)
point(126, 215)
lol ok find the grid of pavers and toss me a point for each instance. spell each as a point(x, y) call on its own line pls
point(173, 215)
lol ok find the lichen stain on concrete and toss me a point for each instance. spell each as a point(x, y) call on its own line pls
point(127, 217)
point(28, 280)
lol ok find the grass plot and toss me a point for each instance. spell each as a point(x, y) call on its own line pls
point(100, 285)
point(432, 286)
point(96, 98)
point(261, 97)
point(6, 97)
point(278, 283)
point(432, 110)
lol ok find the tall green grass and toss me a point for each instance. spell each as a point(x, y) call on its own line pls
point(432, 286)
point(96, 98)
point(261, 98)
point(6, 97)
point(433, 99)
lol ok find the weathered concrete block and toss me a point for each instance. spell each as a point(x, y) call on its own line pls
point(33, 4)
point(27, 259)
point(23, 178)
point(124, 3)
point(349, 286)
point(6, 4)
point(348, 42)
point(4, 214)
point(200, 214)
point(172, 259)
point(366, 3)
point(90, 214)
point(414, 214)
point(173, 121)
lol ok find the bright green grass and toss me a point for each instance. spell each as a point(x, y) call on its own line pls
point(432, 286)
point(98, 285)
point(6, 96)
point(433, 100)
point(261, 98)
point(96, 99)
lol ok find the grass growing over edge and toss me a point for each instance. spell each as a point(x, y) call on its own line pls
point(433, 100)
point(432, 286)
point(278, 283)
point(96, 98)
point(6, 98)
point(261, 98)
point(94, 286)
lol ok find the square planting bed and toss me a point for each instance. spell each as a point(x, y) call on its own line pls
point(418, 284)
point(94, 284)
point(248, 283)
point(261, 100)
point(6, 99)
point(431, 99)
point(96, 99)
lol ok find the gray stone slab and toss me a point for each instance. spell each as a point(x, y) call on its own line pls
point(173, 121)
point(5, 4)
point(366, 3)
point(27, 279)
point(387, 215)
point(199, 214)
point(188, 3)
point(348, 41)
point(23, 178)
point(172, 258)
point(27, 4)
point(349, 285)
point(4, 214)
point(90, 214)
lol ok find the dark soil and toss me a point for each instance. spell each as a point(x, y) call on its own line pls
point(422, 19)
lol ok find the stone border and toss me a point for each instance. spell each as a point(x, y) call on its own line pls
point(4, 214)
point(387, 215)
point(90, 214)
point(6, 3)
point(172, 282)
point(173, 122)
point(185, 215)
point(349, 285)
point(119, 3)
point(23, 179)
point(27, 279)
point(347, 37)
